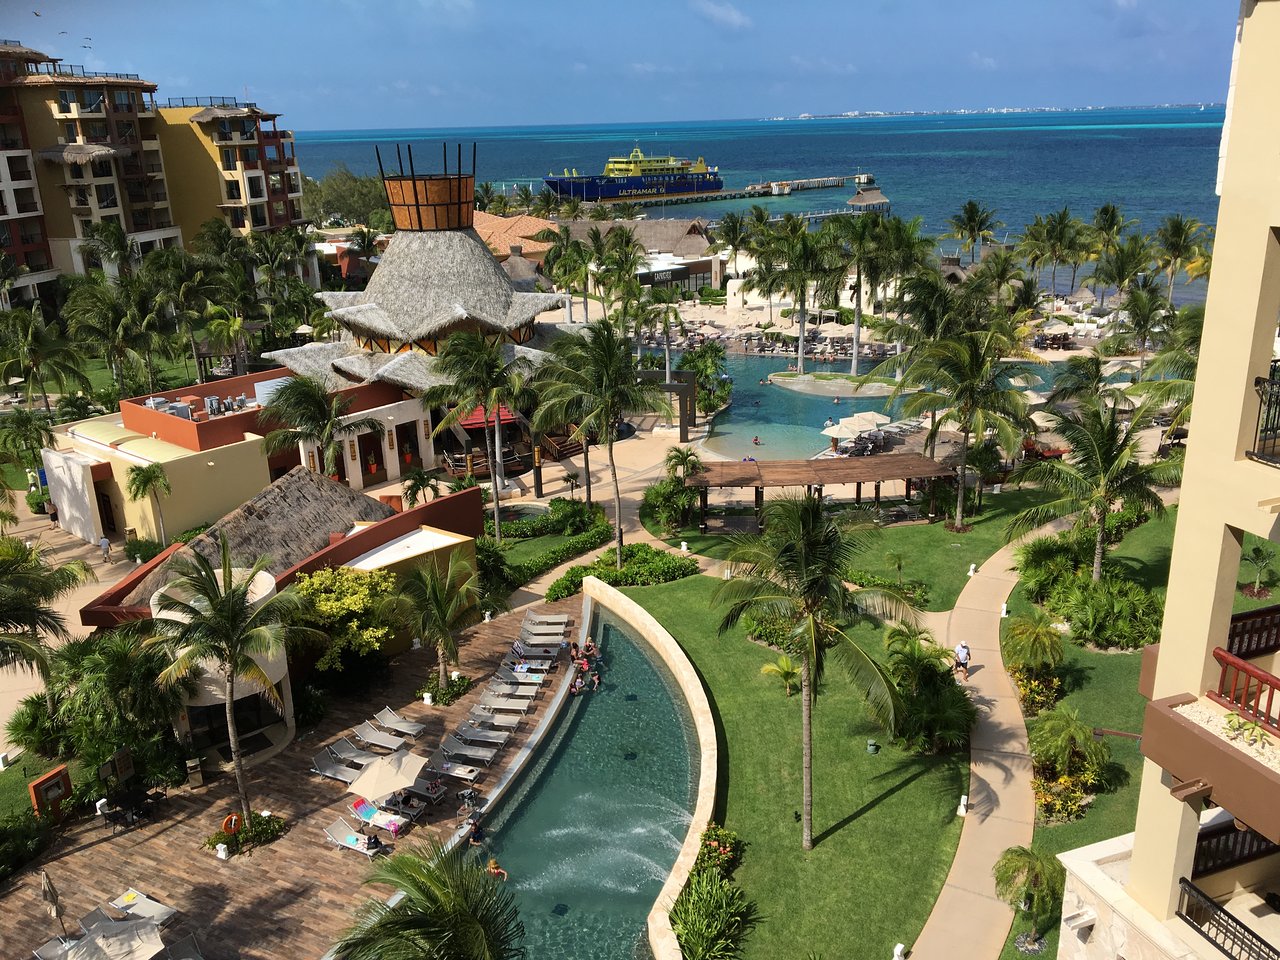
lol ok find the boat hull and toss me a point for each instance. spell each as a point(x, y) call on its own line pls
point(601, 188)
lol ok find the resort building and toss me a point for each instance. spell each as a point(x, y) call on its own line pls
point(1198, 876)
point(302, 522)
point(81, 146)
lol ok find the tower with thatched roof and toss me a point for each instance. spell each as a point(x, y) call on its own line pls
point(436, 277)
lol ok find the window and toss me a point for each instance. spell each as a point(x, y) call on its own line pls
point(258, 215)
point(228, 159)
point(256, 191)
point(96, 132)
point(122, 100)
point(82, 225)
point(237, 218)
point(75, 171)
point(125, 132)
point(250, 154)
point(233, 189)
point(101, 169)
point(106, 194)
point(65, 99)
point(93, 100)
point(224, 130)
point(110, 218)
point(275, 183)
point(70, 132)
point(248, 129)
point(278, 210)
point(6, 235)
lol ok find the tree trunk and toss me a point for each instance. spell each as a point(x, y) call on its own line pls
point(857, 319)
point(44, 392)
point(1099, 546)
point(233, 741)
point(800, 344)
point(497, 473)
point(1169, 298)
point(964, 462)
point(497, 520)
point(195, 354)
point(586, 469)
point(444, 666)
point(806, 754)
point(666, 343)
point(155, 496)
point(617, 498)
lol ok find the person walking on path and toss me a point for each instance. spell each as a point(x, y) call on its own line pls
point(105, 544)
point(962, 659)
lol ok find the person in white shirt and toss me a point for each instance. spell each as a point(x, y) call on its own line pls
point(105, 544)
point(962, 658)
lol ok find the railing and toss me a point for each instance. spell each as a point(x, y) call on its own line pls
point(1226, 932)
point(207, 102)
point(1247, 691)
point(1223, 846)
point(1254, 633)
point(1266, 435)
point(75, 70)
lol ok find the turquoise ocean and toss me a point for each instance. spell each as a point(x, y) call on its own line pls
point(1150, 161)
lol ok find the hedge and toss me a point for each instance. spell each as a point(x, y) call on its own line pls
point(596, 536)
point(642, 566)
point(917, 591)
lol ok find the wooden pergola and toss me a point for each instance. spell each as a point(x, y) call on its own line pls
point(813, 475)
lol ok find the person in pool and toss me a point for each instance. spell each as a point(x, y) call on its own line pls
point(836, 400)
point(829, 423)
point(476, 837)
point(497, 871)
point(589, 648)
point(755, 441)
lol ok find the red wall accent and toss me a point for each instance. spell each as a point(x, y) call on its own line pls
point(105, 609)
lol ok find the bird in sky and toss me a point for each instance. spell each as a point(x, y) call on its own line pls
point(62, 33)
point(36, 12)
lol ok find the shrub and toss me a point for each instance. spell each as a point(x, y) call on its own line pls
point(33, 729)
point(563, 517)
point(260, 830)
point(1109, 613)
point(670, 503)
point(443, 696)
point(1062, 798)
point(642, 566)
point(186, 536)
point(343, 606)
point(23, 837)
point(712, 918)
point(937, 716)
point(721, 850)
point(496, 578)
point(1036, 692)
point(309, 707)
point(36, 499)
point(142, 550)
point(771, 631)
point(917, 591)
point(596, 536)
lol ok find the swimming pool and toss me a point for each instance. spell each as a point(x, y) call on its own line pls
point(591, 830)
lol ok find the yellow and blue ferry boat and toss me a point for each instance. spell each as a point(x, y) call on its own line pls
point(636, 176)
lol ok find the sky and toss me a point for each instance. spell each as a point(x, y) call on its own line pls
point(378, 64)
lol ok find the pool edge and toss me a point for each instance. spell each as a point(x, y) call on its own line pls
point(662, 939)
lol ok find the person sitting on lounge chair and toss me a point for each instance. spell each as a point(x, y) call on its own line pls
point(372, 843)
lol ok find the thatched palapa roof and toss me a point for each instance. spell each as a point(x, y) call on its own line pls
point(287, 522)
point(72, 153)
point(522, 271)
point(227, 113)
point(684, 238)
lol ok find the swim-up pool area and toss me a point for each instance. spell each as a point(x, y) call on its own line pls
point(591, 830)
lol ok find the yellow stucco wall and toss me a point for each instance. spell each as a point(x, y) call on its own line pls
point(43, 130)
point(193, 171)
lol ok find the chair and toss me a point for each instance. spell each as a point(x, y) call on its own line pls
point(492, 702)
point(401, 805)
point(537, 666)
point(324, 765)
point(453, 747)
point(376, 818)
point(393, 721)
point(530, 678)
point(471, 733)
point(94, 917)
point(481, 715)
point(513, 691)
point(349, 753)
point(345, 837)
point(368, 733)
point(547, 631)
point(187, 948)
point(530, 651)
point(54, 949)
point(560, 619)
point(442, 766)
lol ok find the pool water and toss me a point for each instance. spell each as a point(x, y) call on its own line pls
point(593, 827)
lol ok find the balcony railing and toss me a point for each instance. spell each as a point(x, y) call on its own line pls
point(75, 70)
point(1266, 436)
point(1225, 931)
point(1248, 691)
point(1254, 633)
point(1223, 846)
point(207, 102)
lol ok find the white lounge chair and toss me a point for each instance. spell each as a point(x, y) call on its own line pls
point(554, 618)
point(371, 816)
point(393, 721)
point(441, 765)
point(537, 666)
point(514, 691)
point(493, 702)
point(345, 837)
point(347, 752)
point(453, 747)
point(470, 733)
point(526, 677)
point(368, 733)
point(324, 765)
point(484, 716)
point(187, 948)
point(538, 627)
point(531, 651)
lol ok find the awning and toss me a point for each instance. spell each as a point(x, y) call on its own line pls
point(74, 153)
point(477, 419)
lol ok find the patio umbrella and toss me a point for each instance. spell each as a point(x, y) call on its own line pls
point(1045, 421)
point(708, 330)
point(49, 894)
point(129, 940)
point(304, 328)
point(1112, 367)
point(843, 430)
point(386, 775)
point(867, 420)
point(1034, 398)
point(14, 381)
point(832, 330)
point(1056, 325)
point(1026, 381)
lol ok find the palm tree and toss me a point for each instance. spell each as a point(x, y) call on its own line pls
point(149, 481)
point(626, 210)
point(484, 195)
point(974, 225)
point(568, 261)
point(1061, 740)
point(207, 622)
point(30, 586)
point(485, 376)
point(1261, 557)
point(452, 908)
point(794, 572)
point(785, 669)
point(600, 212)
point(902, 251)
point(35, 350)
point(106, 242)
point(24, 433)
point(591, 378)
point(1033, 642)
point(1171, 374)
point(417, 484)
point(113, 316)
point(313, 416)
point(1102, 470)
point(363, 243)
point(1080, 378)
point(183, 285)
point(804, 261)
point(1122, 264)
point(218, 243)
point(571, 209)
point(682, 462)
point(1030, 880)
point(1146, 314)
point(1199, 266)
point(433, 605)
point(663, 310)
point(1109, 224)
point(1002, 271)
point(523, 197)
point(10, 271)
point(859, 238)
point(915, 660)
point(966, 382)
point(732, 233)
point(1177, 242)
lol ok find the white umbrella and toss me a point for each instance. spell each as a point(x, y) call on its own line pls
point(843, 430)
point(832, 330)
point(867, 420)
point(1026, 381)
point(49, 894)
point(129, 940)
point(1045, 421)
point(1112, 367)
point(14, 381)
point(1034, 398)
point(1056, 325)
point(386, 775)
point(707, 330)
point(305, 328)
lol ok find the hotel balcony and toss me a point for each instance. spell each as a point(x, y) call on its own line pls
point(74, 111)
point(1266, 435)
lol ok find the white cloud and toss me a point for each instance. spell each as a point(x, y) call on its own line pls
point(982, 62)
point(722, 13)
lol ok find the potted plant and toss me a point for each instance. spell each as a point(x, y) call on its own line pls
point(373, 463)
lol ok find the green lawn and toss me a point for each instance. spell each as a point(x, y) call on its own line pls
point(14, 797)
point(174, 373)
point(885, 825)
point(522, 551)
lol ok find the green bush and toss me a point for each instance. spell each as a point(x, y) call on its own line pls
point(772, 631)
point(642, 566)
point(563, 517)
point(142, 550)
point(186, 536)
point(23, 837)
point(917, 591)
point(712, 918)
point(260, 830)
point(33, 729)
point(443, 696)
point(670, 503)
point(937, 716)
point(36, 499)
point(496, 578)
point(343, 606)
point(721, 850)
point(1111, 613)
point(1036, 691)
point(309, 707)
point(596, 536)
